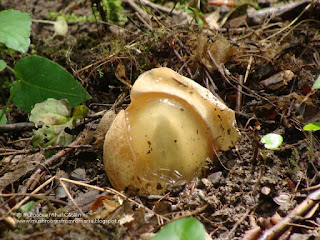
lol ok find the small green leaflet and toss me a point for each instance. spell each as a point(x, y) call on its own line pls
point(27, 207)
point(3, 119)
point(315, 126)
point(56, 116)
point(3, 64)
point(15, 28)
point(316, 84)
point(40, 79)
point(80, 112)
point(183, 229)
point(272, 141)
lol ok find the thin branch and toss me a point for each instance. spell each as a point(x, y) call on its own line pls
point(293, 22)
point(18, 205)
point(299, 211)
point(37, 196)
point(137, 8)
point(112, 191)
point(10, 152)
point(245, 215)
point(53, 160)
point(72, 199)
point(163, 9)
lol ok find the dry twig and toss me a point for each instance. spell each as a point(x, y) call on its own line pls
point(113, 191)
point(135, 7)
point(53, 160)
point(299, 211)
point(163, 9)
point(17, 127)
point(19, 204)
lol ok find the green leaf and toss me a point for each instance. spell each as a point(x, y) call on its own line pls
point(3, 119)
point(15, 28)
point(272, 141)
point(315, 126)
point(40, 79)
point(3, 64)
point(55, 114)
point(316, 84)
point(80, 112)
point(51, 112)
point(183, 229)
point(27, 207)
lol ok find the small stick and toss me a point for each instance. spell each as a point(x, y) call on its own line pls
point(163, 9)
point(293, 22)
point(138, 9)
point(248, 69)
point(52, 160)
point(312, 188)
point(184, 62)
point(239, 94)
point(36, 180)
point(112, 191)
point(275, 11)
point(143, 21)
point(215, 88)
point(191, 213)
point(18, 205)
point(18, 127)
point(10, 152)
point(37, 196)
point(233, 230)
point(72, 199)
point(299, 211)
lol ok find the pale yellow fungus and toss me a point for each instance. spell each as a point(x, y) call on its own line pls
point(172, 126)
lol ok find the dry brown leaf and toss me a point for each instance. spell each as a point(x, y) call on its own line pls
point(25, 166)
point(98, 203)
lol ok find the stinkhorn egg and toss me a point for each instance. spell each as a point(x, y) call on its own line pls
point(172, 126)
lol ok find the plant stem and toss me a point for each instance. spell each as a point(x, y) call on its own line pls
point(43, 21)
point(7, 104)
point(311, 144)
point(12, 93)
point(10, 69)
